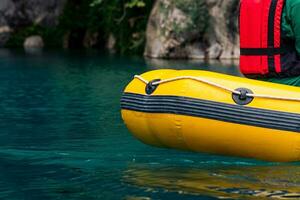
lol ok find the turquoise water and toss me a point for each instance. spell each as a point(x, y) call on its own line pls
point(62, 137)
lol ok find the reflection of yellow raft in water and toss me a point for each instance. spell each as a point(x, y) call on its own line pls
point(243, 182)
point(214, 113)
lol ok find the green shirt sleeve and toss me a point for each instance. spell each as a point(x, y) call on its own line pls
point(295, 19)
point(291, 21)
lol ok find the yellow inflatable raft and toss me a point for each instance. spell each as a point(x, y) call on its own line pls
point(215, 113)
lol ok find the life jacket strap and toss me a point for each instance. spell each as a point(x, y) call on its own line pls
point(261, 51)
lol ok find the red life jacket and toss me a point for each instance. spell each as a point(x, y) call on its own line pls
point(264, 49)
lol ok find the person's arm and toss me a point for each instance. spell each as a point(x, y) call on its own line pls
point(295, 16)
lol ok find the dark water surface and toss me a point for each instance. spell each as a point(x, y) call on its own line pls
point(62, 137)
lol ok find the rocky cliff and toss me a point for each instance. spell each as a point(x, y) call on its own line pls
point(15, 14)
point(193, 29)
point(196, 29)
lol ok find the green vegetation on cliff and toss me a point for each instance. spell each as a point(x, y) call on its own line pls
point(52, 36)
point(95, 21)
point(198, 13)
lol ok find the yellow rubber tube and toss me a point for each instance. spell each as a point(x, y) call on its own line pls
point(190, 115)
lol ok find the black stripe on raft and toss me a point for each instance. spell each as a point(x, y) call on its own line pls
point(212, 110)
point(271, 22)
